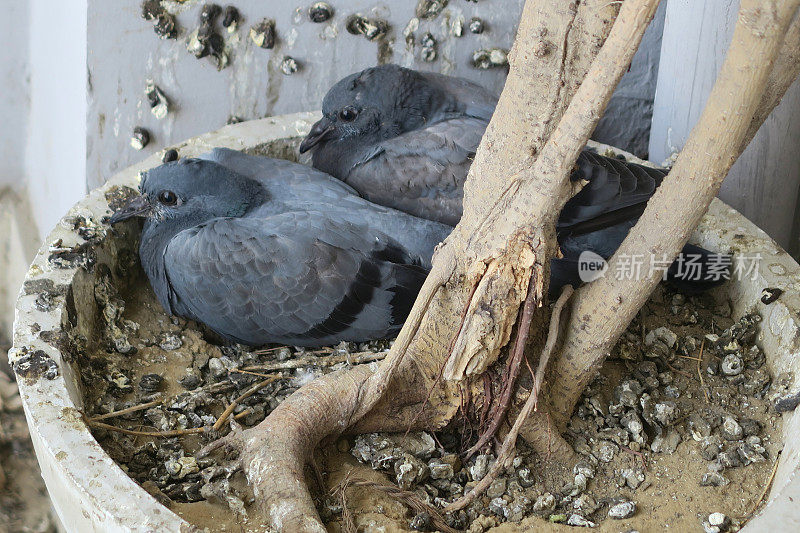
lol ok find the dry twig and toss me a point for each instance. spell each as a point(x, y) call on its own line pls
point(409, 499)
point(171, 433)
point(249, 392)
point(752, 510)
point(318, 362)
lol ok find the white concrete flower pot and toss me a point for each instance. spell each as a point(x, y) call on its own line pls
point(91, 493)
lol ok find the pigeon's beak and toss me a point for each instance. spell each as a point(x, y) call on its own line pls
point(319, 132)
point(137, 207)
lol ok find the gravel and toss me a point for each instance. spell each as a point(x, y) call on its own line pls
point(622, 510)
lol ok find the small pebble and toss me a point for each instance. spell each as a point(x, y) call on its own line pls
point(420, 522)
point(713, 479)
point(632, 478)
point(140, 138)
point(731, 429)
point(710, 447)
point(481, 466)
point(428, 53)
point(263, 34)
point(150, 382)
point(410, 471)
point(170, 342)
point(165, 26)
point(585, 504)
point(170, 155)
point(490, 58)
point(440, 469)
point(497, 488)
point(664, 334)
point(769, 295)
point(622, 510)
point(372, 29)
point(430, 9)
point(716, 519)
point(498, 506)
point(289, 65)
point(190, 381)
point(607, 452)
point(209, 13)
point(526, 477)
point(544, 504)
point(579, 521)
point(476, 25)
point(320, 12)
point(731, 365)
point(159, 105)
point(216, 368)
point(457, 26)
point(666, 443)
point(231, 18)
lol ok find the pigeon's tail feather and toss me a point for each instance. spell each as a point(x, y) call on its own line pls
point(409, 281)
point(408, 277)
point(563, 272)
point(695, 270)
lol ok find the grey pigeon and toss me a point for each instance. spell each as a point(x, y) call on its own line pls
point(268, 251)
point(406, 139)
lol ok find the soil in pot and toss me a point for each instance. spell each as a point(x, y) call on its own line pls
point(677, 426)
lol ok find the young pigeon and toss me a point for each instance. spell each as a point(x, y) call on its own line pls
point(267, 251)
point(406, 139)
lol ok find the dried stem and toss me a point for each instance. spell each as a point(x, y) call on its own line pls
point(319, 362)
point(246, 394)
point(171, 433)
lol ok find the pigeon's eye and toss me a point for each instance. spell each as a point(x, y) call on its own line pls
point(348, 114)
point(168, 198)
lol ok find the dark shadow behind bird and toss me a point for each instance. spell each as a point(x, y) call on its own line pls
point(406, 139)
point(268, 251)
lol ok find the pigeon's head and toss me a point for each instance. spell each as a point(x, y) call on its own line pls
point(375, 104)
point(191, 191)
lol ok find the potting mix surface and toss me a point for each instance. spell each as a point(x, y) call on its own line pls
point(677, 430)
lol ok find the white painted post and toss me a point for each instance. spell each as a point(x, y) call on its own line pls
point(765, 182)
point(56, 138)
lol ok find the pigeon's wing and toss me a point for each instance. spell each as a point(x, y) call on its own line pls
point(421, 172)
point(616, 192)
point(476, 101)
point(296, 278)
point(306, 180)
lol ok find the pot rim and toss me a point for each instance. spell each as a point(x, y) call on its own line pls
point(90, 492)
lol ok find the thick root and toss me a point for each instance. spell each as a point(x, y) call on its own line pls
point(274, 453)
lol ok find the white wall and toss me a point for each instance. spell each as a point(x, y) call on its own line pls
point(14, 104)
point(55, 154)
point(124, 51)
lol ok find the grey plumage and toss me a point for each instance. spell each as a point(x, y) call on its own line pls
point(264, 250)
point(406, 139)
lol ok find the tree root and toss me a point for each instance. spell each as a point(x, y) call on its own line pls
point(506, 454)
point(274, 453)
point(500, 408)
